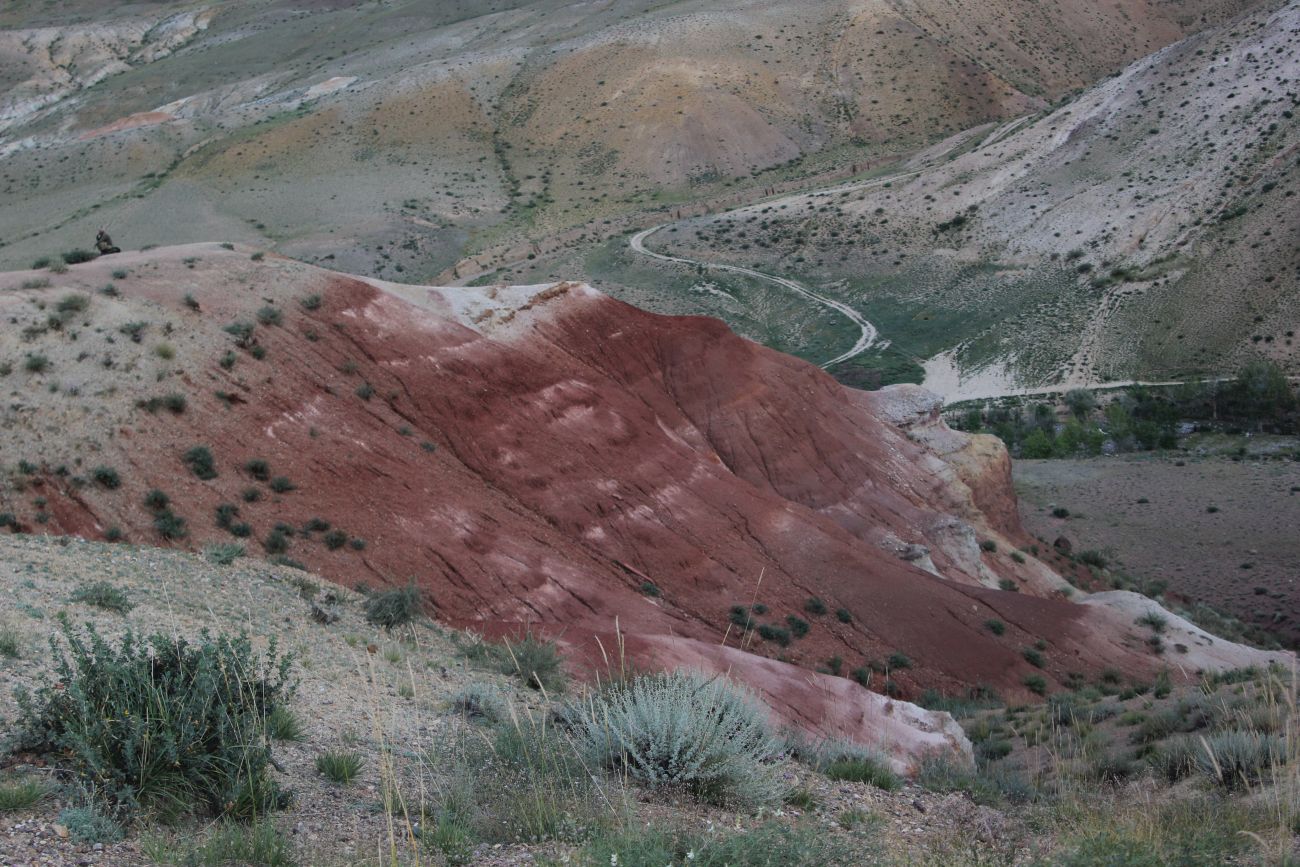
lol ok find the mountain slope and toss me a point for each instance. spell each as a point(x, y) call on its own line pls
point(547, 456)
point(400, 137)
point(1142, 230)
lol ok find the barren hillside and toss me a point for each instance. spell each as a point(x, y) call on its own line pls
point(401, 137)
point(1144, 230)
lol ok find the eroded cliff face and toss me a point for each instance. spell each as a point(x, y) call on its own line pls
point(548, 458)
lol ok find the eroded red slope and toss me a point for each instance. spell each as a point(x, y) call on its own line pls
point(537, 455)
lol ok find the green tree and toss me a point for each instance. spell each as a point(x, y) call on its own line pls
point(1037, 445)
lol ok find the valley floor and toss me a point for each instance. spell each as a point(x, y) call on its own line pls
point(1216, 528)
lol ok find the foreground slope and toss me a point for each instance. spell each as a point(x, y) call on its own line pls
point(546, 457)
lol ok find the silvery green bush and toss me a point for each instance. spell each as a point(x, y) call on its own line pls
point(703, 733)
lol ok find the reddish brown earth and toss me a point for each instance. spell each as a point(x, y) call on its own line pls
point(531, 456)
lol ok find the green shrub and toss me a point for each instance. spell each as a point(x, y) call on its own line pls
point(200, 461)
point(899, 661)
point(106, 477)
point(650, 588)
point(1035, 683)
point(282, 724)
point(997, 627)
point(276, 542)
point(994, 749)
point(798, 626)
point(256, 844)
point(224, 553)
point(989, 545)
point(77, 256)
point(269, 315)
point(156, 500)
point(282, 485)
point(242, 332)
point(844, 615)
point(815, 606)
point(35, 362)
point(21, 794)
point(863, 769)
point(536, 662)
point(989, 785)
point(174, 402)
point(258, 469)
point(160, 722)
point(1093, 558)
point(680, 729)
point(310, 302)
point(365, 391)
point(339, 767)
point(169, 525)
point(1156, 622)
point(1033, 657)
point(335, 539)
point(11, 642)
point(392, 608)
point(88, 825)
point(104, 595)
point(774, 634)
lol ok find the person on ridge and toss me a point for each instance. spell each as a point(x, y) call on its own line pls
point(104, 244)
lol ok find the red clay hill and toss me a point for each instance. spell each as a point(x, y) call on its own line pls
point(549, 457)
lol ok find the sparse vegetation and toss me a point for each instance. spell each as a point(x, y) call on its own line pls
point(102, 594)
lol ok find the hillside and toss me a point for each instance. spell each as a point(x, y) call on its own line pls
point(1056, 783)
point(548, 458)
point(401, 138)
point(1139, 231)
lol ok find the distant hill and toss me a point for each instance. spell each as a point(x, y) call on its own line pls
point(399, 137)
point(1143, 230)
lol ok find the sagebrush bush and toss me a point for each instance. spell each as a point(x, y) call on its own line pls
point(161, 723)
point(392, 608)
point(703, 733)
point(481, 701)
point(1236, 760)
point(11, 641)
point(89, 825)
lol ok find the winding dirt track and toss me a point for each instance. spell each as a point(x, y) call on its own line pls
point(866, 338)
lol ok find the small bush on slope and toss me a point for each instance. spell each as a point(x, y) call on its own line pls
point(161, 723)
point(702, 733)
point(390, 608)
